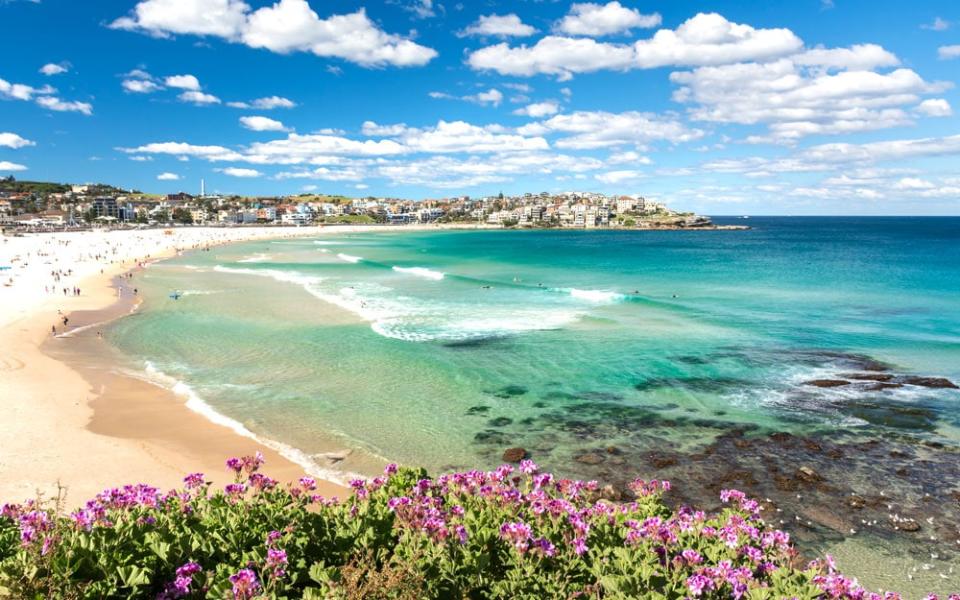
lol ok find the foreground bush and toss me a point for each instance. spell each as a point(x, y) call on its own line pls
point(499, 534)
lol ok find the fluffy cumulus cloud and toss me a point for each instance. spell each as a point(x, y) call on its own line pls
point(604, 19)
point(183, 82)
point(819, 92)
point(539, 109)
point(705, 39)
point(198, 98)
point(258, 123)
point(12, 140)
point(948, 52)
point(9, 167)
point(140, 86)
point(935, 107)
point(44, 96)
point(587, 130)
point(621, 176)
point(284, 26)
point(266, 103)
point(499, 26)
point(491, 97)
point(51, 69)
point(241, 172)
point(168, 177)
point(56, 104)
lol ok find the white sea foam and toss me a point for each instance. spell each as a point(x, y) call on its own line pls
point(198, 405)
point(595, 295)
point(418, 320)
point(420, 272)
point(328, 243)
point(277, 274)
point(349, 258)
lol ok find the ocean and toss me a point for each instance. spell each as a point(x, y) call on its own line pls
point(604, 354)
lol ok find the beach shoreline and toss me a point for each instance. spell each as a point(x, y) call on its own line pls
point(74, 422)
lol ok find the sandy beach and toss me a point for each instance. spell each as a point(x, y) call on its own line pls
point(72, 421)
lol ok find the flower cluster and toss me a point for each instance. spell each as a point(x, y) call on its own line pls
point(508, 532)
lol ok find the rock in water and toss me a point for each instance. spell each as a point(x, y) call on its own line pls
point(826, 383)
point(589, 459)
point(807, 474)
point(930, 382)
point(512, 455)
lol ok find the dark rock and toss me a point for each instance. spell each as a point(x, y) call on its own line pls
point(512, 455)
point(590, 458)
point(827, 383)
point(930, 382)
point(812, 445)
point(500, 422)
point(894, 415)
point(856, 502)
point(510, 391)
point(477, 410)
point(491, 437)
point(879, 386)
point(808, 474)
point(661, 461)
point(906, 525)
point(868, 376)
point(613, 450)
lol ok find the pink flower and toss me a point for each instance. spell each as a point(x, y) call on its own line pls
point(245, 584)
point(698, 583)
point(390, 469)
point(193, 480)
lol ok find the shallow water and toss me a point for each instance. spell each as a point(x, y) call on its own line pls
point(442, 349)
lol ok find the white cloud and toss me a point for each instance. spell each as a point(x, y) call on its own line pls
point(422, 9)
point(324, 173)
point(6, 166)
point(938, 24)
point(199, 98)
point(499, 26)
point(141, 158)
point(183, 82)
point(183, 149)
point(54, 103)
point(858, 57)
point(613, 177)
point(168, 177)
point(492, 97)
point(371, 128)
point(948, 52)
point(283, 27)
point(267, 103)
point(539, 109)
point(12, 140)
point(604, 19)
point(935, 107)
point(20, 91)
point(50, 69)
point(600, 129)
point(257, 123)
point(140, 86)
point(705, 39)
point(795, 100)
point(620, 158)
point(240, 172)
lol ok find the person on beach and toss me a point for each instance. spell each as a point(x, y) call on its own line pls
point(53, 329)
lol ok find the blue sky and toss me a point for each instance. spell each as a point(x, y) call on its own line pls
point(792, 107)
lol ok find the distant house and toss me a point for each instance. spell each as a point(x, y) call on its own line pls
point(179, 198)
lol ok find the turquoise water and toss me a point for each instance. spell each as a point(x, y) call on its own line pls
point(605, 355)
point(443, 348)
